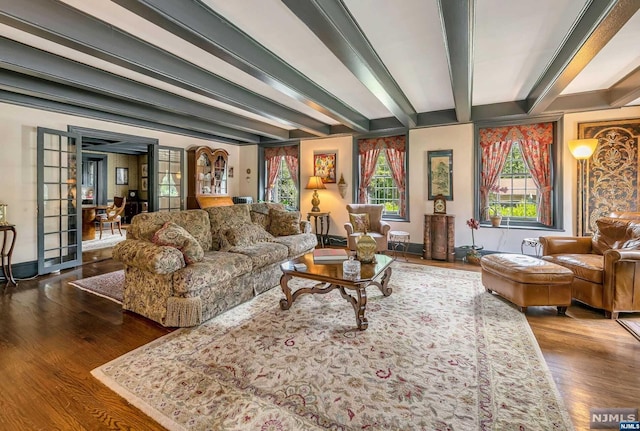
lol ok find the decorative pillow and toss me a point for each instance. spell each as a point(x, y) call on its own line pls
point(284, 223)
point(174, 235)
point(360, 222)
point(247, 234)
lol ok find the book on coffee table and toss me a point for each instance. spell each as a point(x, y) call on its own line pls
point(329, 255)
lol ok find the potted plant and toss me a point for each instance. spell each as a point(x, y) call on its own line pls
point(495, 210)
point(473, 254)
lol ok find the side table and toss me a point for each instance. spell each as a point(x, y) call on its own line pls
point(399, 239)
point(531, 242)
point(322, 234)
point(6, 265)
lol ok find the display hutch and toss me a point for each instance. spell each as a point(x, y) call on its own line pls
point(208, 182)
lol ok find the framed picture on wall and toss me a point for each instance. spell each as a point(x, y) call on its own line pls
point(324, 166)
point(440, 174)
point(144, 184)
point(144, 170)
point(122, 176)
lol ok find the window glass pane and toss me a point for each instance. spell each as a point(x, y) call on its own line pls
point(515, 196)
point(382, 189)
point(285, 190)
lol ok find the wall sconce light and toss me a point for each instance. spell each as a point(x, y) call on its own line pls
point(342, 186)
point(582, 149)
point(315, 184)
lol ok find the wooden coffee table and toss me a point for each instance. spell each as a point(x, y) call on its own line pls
point(329, 277)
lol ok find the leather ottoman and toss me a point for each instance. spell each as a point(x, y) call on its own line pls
point(527, 281)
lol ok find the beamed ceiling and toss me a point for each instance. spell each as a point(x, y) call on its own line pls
point(260, 71)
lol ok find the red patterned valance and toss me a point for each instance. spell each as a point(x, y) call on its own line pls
point(382, 143)
point(540, 132)
point(289, 150)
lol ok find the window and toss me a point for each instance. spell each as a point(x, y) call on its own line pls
point(517, 178)
point(281, 175)
point(382, 189)
point(383, 172)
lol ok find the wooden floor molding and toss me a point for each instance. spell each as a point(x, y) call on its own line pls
point(52, 335)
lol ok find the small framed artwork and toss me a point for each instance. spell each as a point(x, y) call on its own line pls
point(144, 184)
point(324, 166)
point(230, 172)
point(144, 170)
point(440, 174)
point(122, 176)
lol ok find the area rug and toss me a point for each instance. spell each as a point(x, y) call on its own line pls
point(439, 353)
point(633, 326)
point(108, 240)
point(108, 285)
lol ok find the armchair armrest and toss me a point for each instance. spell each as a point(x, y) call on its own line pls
point(619, 280)
point(349, 228)
point(565, 245)
point(384, 227)
point(147, 256)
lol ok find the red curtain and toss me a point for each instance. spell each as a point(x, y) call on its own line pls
point(292, 164)
point(273, 156)
point(538, 160)
point(369, 151)
point(494, 155)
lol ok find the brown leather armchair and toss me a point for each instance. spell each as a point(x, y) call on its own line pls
point(379, 229)
point(606, 266)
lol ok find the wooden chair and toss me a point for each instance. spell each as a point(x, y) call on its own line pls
point(112, 215)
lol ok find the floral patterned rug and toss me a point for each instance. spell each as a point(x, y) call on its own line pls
point(439, 354)
point(109, 285)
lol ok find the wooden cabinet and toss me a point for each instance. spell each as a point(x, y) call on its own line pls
point(208, 178)
point(439, 237)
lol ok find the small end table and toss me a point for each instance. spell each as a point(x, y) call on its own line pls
point(399, 239)
point(531, 242)
point(322, 234)
point(6, 265)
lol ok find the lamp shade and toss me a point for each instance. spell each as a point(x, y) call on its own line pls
point(582, 149)
point(315, 183)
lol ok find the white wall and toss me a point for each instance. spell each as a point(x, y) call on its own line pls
point(18, 128)
point(18, 168)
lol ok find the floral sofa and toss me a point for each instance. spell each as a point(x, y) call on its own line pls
point(185, 267)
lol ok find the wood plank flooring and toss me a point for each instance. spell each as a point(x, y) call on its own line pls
point(52, 335)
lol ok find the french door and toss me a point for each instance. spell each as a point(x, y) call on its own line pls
point(59, 210)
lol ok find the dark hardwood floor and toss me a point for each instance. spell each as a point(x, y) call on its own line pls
point(52, 335)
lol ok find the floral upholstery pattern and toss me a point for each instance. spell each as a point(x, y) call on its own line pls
point(148, 256)
point(172, 235)
point(260, 212)
point(284, 222)
point(223, 218)
point(262, 254)
point(360, 222)
point(160, 286)
point(196, 222)
point(247, 234)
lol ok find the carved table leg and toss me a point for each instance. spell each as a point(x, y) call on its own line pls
point(359, 304)
point(285, 303)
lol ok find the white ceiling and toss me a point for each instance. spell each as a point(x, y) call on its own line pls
point(512, 46)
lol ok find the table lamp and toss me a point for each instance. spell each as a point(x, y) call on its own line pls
point(315, 184)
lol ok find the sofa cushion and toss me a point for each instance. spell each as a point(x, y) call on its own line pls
point(298, 244)
point(226, 217)
point(173, 235)
point(260, 212)
point(196, 222)
point(216, 268)
point(360, 222)
point(284, 222)
point(262, 253)
point(585, 266)
point(246, 234)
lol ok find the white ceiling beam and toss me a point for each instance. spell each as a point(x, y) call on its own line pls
point(626, 90)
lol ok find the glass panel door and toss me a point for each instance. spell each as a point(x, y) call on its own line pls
point(169, 179)
point(59, 209)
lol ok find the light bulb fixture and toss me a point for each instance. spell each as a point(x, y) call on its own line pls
point(582, 149)
point(315, 184)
